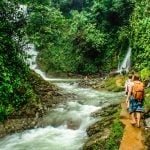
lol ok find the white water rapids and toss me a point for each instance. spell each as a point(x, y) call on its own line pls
point(66, 124)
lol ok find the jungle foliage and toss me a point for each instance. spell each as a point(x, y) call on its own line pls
point(83, 39)
point(83, 36)
point(140, 34)
point(15, 91)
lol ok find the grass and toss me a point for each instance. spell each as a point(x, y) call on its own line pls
point(147, 98)
point(111, 85)
point(113, 141)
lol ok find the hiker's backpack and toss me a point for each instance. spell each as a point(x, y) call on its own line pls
point(138, 91)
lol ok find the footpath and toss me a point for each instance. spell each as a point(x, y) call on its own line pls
point(132, 137)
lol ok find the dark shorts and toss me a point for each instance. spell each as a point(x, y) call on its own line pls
point(136, 106)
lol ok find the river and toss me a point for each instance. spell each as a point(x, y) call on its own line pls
point(65, 125)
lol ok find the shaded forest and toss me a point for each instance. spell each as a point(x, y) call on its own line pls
point(89, 36)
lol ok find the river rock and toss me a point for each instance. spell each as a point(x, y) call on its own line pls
point(74, 125)
point(100, 125)
point(89, 82)
point(100, 131)
point(147, 137)
point(113, 74)
point(106, 111)
point(97, 139)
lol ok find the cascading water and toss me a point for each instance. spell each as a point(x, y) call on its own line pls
point(23, 9)
point(65, 126)
point(126, 64)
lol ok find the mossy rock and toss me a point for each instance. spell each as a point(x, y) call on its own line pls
point(109, 137)
point(106, 111)
point(97, 141)
point(114, 84)
point(147, 137)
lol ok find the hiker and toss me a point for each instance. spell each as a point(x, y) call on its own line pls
point(127, 86)
point(136, 96)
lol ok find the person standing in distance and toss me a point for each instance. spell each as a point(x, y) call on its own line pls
point(136, 96)
point(127, 87)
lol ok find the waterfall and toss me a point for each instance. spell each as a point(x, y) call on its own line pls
point(23, 9)
point(126, 64)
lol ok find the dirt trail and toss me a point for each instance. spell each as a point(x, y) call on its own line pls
point(132, 137)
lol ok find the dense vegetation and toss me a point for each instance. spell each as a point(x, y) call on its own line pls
point(140, 34)
point(83, 36)
point(76, 40)
point(15, 91)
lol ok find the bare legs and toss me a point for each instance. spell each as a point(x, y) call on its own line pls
point(128, 104)
point(133, 120)
point(138, 115)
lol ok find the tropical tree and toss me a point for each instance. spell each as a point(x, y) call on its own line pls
point(140, 24)
point(14, 88)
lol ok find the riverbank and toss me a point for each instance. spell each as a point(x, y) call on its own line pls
point(29, 116)
point(107, 132)
point(96, 138)
point(114, 131)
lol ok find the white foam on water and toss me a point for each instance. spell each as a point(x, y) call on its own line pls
point(45, 139)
